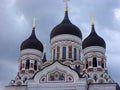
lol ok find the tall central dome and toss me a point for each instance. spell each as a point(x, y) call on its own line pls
point(66, 40)
point(66, 27)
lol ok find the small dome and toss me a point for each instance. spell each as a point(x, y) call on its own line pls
point(93, 40)
point(32, 43)
point(66, 27)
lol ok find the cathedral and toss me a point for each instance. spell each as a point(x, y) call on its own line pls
point(74, 64)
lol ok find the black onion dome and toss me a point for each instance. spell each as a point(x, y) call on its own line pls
point(66, 27)
point(93, 40)
point(32, 43)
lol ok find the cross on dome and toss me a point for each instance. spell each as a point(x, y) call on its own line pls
point(92, 18)
point(34, 22)
point(66, 2)
point(45, 48)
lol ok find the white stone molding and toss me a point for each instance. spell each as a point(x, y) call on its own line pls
point(91, 80)
point(31, 52)
point(30, 57)
point(67, 62)
point(99, 80)
point(94, 49)
point(110, 81)
point(66, 37)
point(102, 86)
point(81, 85)
point(18, 81)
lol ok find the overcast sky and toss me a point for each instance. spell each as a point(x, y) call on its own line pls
point(16, 26)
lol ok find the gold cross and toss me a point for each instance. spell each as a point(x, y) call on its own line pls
point(66, 1)
point(34, 22)
point(93, 18)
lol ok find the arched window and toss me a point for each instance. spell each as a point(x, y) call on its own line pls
point(53, 54)
point(27, 64)
point(102, 63)
point(95, 77)
point(64, 53)
point(94, 62)
point(70, 51)
point(35, 65)
point(75, 54)
point(77, 68)
point(58, 52)
point(79, 55)
point(86, 64)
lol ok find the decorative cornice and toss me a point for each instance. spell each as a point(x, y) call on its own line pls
point(94, 49)
point(81, 84)
point(67, 37)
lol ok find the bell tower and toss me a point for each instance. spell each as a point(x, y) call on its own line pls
point(30, 58)
point(94, 58)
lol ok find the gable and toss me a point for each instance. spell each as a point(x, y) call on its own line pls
point(56, 73)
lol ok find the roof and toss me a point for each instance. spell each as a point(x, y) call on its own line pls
point(93, 40)
point(32, 43)
point(66, 27)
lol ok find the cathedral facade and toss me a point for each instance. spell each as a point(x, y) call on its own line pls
point(74, 64)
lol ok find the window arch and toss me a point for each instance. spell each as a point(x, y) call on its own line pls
point(64, 53)
point(94, 62)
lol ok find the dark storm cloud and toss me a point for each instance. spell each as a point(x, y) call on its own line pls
point(16, 25)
